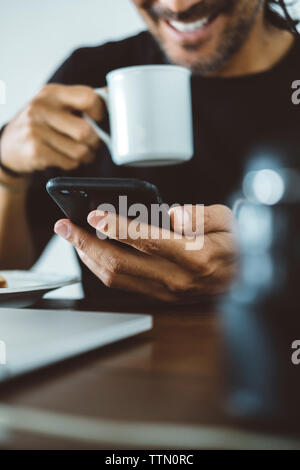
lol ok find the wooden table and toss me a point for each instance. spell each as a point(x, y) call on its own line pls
point(161, 389)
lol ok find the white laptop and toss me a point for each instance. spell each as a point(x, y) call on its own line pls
point(30, 339)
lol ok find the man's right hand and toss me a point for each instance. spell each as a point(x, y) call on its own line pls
point(47, 133)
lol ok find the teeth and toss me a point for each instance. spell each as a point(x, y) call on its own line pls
point(189, 27)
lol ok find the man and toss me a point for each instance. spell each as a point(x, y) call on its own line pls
point(244, 57)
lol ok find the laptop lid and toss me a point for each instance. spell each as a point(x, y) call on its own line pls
point(30, 339)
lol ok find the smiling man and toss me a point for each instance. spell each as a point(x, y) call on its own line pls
point(216, 37)
point(244, 57)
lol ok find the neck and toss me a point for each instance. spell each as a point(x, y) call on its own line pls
point(265, 46)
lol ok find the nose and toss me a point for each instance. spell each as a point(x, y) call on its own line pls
point(178, 6)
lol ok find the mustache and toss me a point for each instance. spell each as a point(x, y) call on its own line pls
point(201, 9)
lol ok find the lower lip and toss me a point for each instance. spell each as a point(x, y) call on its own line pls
point(190, 37)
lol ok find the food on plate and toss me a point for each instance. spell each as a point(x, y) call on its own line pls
point(3, 282)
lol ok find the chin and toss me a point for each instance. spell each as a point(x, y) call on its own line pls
point(200, 56)
point(202, 59)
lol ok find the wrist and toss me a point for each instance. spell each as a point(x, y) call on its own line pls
point(9, 179)
point(3, 167)
point(13, 185)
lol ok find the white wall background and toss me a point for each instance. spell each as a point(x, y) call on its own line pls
point(35, 37)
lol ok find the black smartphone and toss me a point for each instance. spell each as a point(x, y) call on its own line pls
point(77, 197)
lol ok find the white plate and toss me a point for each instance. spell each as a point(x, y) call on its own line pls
point(26, 287)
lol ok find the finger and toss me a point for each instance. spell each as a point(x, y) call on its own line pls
point(218, 218)
point(67, 123)
point(66, 146)
point(222, 279)
point(120, 261)
point(100, 256)
point(108, 262)
point(78, 97)
point(218, 285)
point(46, 157)
point(148, 239)
point(193, 254)
point(223, 245)
point(197, 219)
point(126, 282)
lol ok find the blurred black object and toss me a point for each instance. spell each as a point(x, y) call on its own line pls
point(262, 311)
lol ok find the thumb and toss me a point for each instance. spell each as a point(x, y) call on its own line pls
point(75, 235)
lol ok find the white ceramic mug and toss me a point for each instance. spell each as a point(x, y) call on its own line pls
point(150, 111)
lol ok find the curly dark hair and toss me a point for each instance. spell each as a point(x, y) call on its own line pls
point(284, 20)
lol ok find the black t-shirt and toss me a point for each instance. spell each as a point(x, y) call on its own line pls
point(234, 120)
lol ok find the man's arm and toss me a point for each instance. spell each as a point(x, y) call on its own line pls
point(45, 134)
point(16, 246)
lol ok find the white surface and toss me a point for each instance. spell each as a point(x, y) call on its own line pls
point(35, 338)
point(146, 128)
point(60, 257)
point(35, 37)
point(29, 281)
point(144, 435)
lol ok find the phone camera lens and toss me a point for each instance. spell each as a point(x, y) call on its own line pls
point(83, 194)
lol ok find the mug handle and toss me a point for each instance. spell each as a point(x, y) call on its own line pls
point(104, 136)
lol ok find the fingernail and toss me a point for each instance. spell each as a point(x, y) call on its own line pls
point(97, 219)
point(62, 229)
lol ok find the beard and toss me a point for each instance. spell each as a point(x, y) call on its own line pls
point(242, 15)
